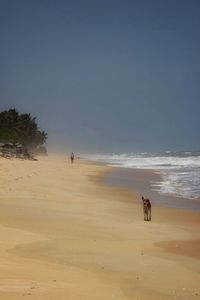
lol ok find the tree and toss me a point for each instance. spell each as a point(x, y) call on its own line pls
point(21, 128)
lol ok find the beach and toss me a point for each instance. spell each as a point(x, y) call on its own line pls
point(142, 182)
point(65, 234)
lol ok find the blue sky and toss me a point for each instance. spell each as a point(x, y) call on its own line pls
point(104, 76)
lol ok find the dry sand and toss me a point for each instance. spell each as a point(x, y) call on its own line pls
point(63, 235)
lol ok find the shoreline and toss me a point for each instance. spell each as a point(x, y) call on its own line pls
point(64, 233)
point(140, 181)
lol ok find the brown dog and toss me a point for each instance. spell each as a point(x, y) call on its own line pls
point(146, 209)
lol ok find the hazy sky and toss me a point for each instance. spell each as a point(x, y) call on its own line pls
point(104, 76)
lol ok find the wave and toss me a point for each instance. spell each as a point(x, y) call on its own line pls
point(180, 171)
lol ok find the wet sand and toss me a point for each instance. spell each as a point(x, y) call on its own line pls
point(65, 235)
point(142, 182)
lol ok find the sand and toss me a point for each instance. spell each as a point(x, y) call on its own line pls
point(64, 235)
point(143, 182)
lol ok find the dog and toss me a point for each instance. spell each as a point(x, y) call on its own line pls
point(146, 209)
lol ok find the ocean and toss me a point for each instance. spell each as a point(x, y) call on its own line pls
point(179, 171)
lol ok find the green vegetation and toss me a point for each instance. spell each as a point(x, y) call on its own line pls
point(21, 128)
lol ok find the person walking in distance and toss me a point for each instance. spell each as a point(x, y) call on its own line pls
point(72, 157)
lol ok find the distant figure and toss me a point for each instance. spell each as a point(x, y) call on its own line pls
point(146, 209)
point(72, 157)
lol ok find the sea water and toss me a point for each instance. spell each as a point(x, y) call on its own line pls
point(179, 171)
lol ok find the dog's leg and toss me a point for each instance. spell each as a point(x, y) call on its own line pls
point(146, 216)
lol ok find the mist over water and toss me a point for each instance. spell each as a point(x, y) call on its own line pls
point(180, 171)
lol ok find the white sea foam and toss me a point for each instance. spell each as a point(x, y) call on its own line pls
point(180, 171)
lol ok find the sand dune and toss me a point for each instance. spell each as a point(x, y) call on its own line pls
point(63, 235)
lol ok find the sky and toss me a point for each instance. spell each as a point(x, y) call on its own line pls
point(104, 76)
